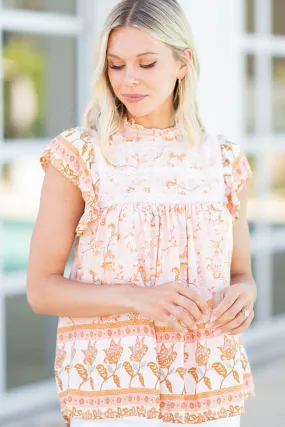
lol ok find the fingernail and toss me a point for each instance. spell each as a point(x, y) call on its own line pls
point(207, 325)
point(217, 331)
point(213, 318)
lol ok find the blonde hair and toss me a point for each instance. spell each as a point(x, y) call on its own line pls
point(165, 21)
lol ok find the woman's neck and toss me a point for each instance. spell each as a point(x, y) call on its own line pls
point(156, 121)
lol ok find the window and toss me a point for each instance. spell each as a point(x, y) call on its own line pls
point(276, 200)
point(253, 211)
point(249, 15)
point(278, 283)
point(264, 133)
point(43, 90)
point(20, 192)
point(250, 93)
point(278, 13)
point(278, 94)
point(62, 6)
point(38, 76)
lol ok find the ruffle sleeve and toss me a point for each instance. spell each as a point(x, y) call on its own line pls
point(237, 173)
point(72, 153)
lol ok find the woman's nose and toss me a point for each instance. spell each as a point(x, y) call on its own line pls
point(131, 79)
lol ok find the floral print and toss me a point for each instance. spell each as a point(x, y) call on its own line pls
point(161, 211)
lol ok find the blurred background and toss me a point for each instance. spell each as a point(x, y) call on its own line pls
point(46, 60)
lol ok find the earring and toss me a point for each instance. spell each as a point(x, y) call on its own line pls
point(180, 90)
point(177, 91)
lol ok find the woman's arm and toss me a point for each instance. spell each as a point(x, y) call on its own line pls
point(48, 292)
point(241, 258)
point(242, 293)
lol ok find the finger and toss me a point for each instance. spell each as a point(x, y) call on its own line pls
point(176, 325)
point(172, 323)
point(230, 314)
point(243, 327)
point(227, 302)
point(189, 306)
point(183, 316)
point(234, 323)
point(190, 294)
point(217, 298)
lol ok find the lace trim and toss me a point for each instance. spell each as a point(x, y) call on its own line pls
point(168, 133)
point(160, 172)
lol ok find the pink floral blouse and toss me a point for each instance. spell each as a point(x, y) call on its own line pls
point(162, 211)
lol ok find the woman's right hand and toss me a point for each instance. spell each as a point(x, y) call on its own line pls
point(160, 303)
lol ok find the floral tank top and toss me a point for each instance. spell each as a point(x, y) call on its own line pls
point(161, 211)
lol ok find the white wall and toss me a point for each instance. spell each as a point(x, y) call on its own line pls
point(103, 7)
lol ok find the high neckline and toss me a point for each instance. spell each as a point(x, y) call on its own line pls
point(169, 133)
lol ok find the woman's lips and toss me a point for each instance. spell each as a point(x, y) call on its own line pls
point(134, 98)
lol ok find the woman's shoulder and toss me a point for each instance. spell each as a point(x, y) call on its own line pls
point(77, 132)
point(237, 170)
point(70, 148)
point(79, 143)
point(82, 140)
point(230, 149)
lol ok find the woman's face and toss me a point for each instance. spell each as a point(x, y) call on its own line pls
point(142, 71)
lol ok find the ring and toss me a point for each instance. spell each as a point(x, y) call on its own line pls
point(245, 312)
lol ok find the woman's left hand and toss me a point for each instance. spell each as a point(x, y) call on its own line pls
point(228, 317)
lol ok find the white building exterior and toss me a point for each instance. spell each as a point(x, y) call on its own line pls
point(46, 61)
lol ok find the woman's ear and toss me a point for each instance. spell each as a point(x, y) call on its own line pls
point(184, 67)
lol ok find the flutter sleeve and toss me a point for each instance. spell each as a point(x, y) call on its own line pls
point(72, 153)
point(237, 173)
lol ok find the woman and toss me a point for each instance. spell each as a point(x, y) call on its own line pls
point(153, 202)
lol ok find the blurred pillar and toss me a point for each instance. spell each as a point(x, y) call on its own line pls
point(216, 25)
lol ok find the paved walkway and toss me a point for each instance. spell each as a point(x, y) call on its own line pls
point(267, 409)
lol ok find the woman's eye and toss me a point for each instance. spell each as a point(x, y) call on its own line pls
point(120, 67)
point(149, 65)
point(116, 67)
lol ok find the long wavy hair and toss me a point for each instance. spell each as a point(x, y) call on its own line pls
point(165, 21)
